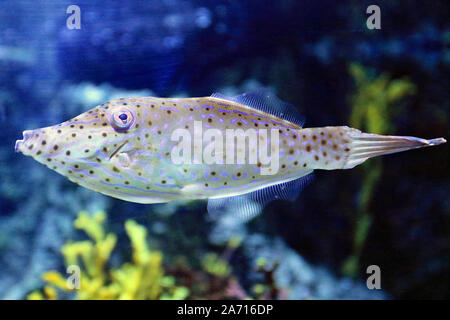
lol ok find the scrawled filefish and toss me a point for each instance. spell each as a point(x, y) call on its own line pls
point(238, 152)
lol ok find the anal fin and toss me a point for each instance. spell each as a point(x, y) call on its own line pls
point(249, 205)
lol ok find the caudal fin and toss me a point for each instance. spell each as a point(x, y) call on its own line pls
point(367, 145)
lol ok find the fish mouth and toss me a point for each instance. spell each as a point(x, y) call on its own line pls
point(27, 134)
point(18, 145)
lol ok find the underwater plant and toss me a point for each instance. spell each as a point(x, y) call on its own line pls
point(143, 278)
point(375, 102)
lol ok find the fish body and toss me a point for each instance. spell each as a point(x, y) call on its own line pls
point(128, 148)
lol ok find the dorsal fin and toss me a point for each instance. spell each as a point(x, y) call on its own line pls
point(264, 100)
point(251, 204)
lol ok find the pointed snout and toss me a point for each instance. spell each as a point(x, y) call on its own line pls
point(27, 134)
point(18, 145)
point(32, 142)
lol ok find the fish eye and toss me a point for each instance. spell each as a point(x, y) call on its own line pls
point(121, 119)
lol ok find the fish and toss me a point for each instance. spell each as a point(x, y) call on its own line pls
point(238, 152)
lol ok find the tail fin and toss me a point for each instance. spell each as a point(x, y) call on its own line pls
point(367, 145)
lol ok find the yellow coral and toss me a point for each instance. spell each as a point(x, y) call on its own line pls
point(215, 265)
point(142, 279)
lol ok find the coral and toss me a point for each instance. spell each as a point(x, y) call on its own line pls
point(215, 279)
point(143, 278)
point(214, 265)
point(284, 274)
point(374, 104)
